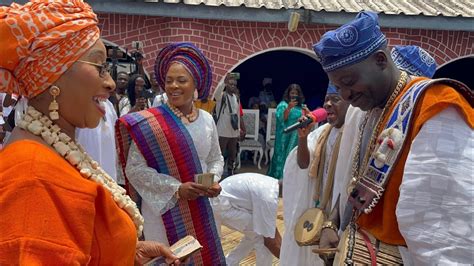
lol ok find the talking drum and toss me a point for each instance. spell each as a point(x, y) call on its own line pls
point(358, 247)
point(308, 228)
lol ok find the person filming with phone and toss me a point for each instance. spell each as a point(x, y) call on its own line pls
point(288, 111)
point(137, 97)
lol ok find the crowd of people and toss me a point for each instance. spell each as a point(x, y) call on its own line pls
point(102, 171)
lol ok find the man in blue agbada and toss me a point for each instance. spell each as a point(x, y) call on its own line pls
point(403, 167)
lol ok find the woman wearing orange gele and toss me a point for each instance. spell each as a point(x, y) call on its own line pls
point(58, 206)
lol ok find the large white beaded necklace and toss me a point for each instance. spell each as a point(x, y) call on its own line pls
point(186, 119)
point(40, 125)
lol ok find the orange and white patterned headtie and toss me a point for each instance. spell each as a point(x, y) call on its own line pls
point(41, 40)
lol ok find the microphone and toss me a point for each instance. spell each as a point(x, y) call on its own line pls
point(317, 115)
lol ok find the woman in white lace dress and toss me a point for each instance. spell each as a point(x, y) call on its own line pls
point(159, 191)
point(171, 143)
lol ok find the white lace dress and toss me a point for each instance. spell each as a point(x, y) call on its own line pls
point(157, 190)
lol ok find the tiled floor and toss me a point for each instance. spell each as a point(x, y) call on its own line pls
point(231, 238)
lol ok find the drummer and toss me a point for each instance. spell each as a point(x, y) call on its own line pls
point(305, 180)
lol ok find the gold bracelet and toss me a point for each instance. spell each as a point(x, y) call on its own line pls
point(176, 194)
point(329, 224)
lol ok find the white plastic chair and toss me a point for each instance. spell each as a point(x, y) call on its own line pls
point(251, 119)
point(271, 133)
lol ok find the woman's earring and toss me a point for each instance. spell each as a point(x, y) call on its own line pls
point(54, 106)
point(196, 95)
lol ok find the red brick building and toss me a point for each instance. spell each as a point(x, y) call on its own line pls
point(228, 36)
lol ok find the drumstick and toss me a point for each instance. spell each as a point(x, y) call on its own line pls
point(325, 251)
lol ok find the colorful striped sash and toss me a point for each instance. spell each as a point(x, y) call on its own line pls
point(167, 146)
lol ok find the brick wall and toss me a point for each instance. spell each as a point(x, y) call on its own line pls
point(226, 43)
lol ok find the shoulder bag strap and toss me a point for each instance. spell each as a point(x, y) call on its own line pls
point(221, 107)
point(229, 103)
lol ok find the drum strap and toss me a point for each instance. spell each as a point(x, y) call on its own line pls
point(328, 189)
point(317, 167)
point(373, 257)
point(318, 157)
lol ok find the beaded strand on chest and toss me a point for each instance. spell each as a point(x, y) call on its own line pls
point(186, 119)
point(40, 125)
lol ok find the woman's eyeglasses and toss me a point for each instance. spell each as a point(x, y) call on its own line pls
point(103, 68)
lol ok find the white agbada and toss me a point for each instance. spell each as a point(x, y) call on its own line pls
point(159, 99)
point(158, 190)
point(7, 110)
point(99, 142)
point(298, 193)
point(124, 105)
point(2, 96)
point(248, 203)
point(349, 139)
point(435, 208)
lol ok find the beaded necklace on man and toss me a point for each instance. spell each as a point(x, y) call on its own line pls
point(40, 125)
point(356, 163)
point(186, 119)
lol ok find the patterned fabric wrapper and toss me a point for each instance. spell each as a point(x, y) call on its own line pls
point(351, 43)
point(414, 60)
point(192, 59)
point(41, 40)
point(167, 147)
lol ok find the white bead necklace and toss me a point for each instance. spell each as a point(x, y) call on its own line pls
point(40, 125)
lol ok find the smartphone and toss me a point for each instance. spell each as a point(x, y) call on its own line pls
point(297, 99)
point(147, 94)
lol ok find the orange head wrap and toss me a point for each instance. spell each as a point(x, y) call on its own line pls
point(41, 40)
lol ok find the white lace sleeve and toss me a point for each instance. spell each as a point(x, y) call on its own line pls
point(214, 160)
point(155, 188)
